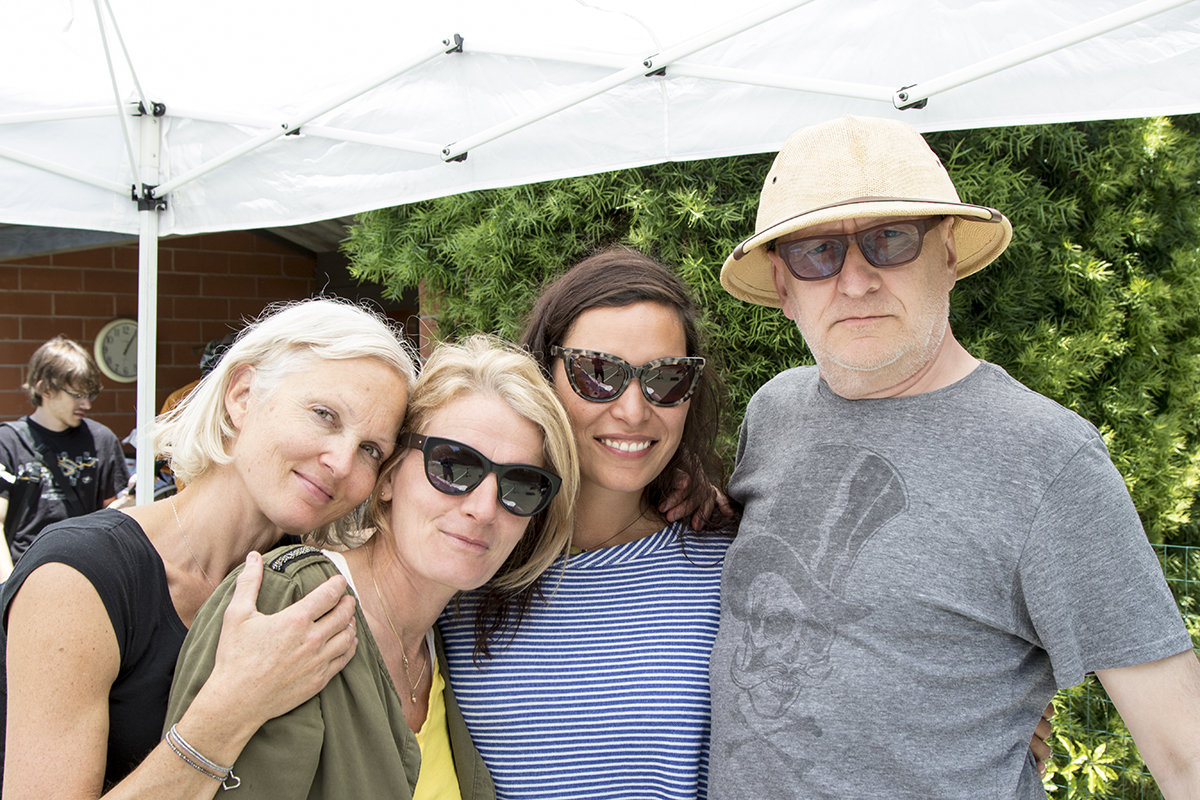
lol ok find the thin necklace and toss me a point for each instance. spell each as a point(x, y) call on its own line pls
point(188, 544)
point(641, 514)
point(412, 687)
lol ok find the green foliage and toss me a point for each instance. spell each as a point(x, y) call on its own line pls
point(1097, 301)
point(1094, 755)
point(1082, 771)
point(1095, 304)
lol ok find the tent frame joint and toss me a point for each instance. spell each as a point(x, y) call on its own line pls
point(648, 63)
point(159, 109)
point(146, 201)
point(454, 44)
point(900, 99)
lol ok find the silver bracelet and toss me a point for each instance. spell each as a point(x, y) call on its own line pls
point(193, 759)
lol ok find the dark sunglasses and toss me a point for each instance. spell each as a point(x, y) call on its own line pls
point(892, 244)
point(455, 468)
point(601, 378)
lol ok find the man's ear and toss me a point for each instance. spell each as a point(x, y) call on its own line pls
point(779, 275)
point(951, 251)
point(237, 394)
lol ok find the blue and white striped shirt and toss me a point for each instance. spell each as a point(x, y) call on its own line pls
point(603, 693)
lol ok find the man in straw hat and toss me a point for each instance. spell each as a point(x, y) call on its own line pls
point(929, 549)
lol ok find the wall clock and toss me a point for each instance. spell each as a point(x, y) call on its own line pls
point(116, 350)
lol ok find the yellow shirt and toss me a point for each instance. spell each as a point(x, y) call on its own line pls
point(437, 779)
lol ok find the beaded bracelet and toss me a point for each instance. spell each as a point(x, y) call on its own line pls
point(192, 757)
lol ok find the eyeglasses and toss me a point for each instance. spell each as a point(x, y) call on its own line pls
point(892, 244)
point(89, 396)
point(602, 378)
point(455, 468)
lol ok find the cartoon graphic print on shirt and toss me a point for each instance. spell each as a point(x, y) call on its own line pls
point(793, 601)
point(77, 469)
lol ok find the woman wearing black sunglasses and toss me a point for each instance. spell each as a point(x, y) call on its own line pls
point(481, 488)
point(603, 690)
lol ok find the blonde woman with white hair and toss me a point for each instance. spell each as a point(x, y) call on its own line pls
point(482, 490)
point(285, 437)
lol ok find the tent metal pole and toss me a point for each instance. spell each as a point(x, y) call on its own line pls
point(83, 112)
point(148, 219)
point(66, 172)
point(302, 119)
point(743, 21)
point(432, 149)
point(861, 91)
point(911, 96)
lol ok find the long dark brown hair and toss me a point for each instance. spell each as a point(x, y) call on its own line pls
point(614, 278)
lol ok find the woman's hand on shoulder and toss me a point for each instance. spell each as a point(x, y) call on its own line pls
point(706, 504)
point(267, 664)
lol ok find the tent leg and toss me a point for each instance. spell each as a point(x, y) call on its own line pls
point(147, 337)
point(147, 361)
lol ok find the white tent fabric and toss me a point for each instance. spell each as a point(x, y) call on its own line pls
point(738, 79)
point(283, 112)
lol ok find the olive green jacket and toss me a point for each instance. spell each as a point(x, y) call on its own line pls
point(350, 740)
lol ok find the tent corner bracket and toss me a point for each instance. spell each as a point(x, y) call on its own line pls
point(158, 109)
point(146, 201)
point(901, 99)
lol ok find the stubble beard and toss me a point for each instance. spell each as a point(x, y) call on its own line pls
point(872, 374)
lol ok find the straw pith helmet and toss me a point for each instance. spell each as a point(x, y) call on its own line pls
point(857, 167)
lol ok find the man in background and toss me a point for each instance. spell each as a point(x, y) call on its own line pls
point(55, 463)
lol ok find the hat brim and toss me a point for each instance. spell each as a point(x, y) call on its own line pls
point(980, 235)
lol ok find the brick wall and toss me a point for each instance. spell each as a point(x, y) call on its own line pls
point(207, 285)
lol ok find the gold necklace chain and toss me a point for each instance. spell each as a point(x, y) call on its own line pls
point(412, 687)
point(188, 544)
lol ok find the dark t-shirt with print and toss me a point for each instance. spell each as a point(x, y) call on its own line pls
point(89, 457)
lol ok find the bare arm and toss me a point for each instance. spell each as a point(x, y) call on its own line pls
point(63, 659)
point(125, 498)
point(6, 564)
point(1160, 704)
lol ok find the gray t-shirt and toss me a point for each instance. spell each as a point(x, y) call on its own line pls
point(912, 579)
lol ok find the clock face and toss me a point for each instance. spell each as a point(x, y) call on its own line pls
point(116, 350)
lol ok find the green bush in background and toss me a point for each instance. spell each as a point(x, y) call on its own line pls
point(1096, 303)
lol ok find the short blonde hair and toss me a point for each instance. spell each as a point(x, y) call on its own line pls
point(285, 338)
point(485, 365)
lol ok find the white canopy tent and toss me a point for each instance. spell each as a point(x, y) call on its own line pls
point(162, 117)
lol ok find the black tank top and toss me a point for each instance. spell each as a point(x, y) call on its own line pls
point(112, 552)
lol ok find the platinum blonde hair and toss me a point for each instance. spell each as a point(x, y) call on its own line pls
point(196, 433)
